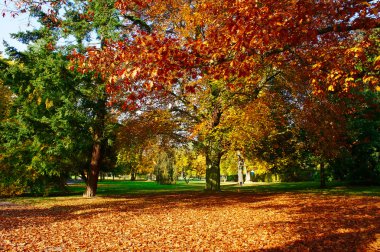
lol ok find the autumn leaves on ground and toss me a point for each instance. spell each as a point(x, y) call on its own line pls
point(194, 221)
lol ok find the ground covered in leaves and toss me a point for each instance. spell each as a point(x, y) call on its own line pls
point(194, 222)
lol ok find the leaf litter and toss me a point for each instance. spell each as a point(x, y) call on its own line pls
point(194, 222)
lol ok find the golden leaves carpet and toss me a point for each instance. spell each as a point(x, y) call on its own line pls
point(194, 222)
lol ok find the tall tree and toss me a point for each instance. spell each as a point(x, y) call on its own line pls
point(231, 42)
point(90, 89)
point(46, 134)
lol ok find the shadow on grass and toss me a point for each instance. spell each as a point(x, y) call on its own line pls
point(120, 187)
point(333, 188)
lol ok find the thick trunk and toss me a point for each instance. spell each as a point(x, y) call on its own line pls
point(166, 173)
point(93, 175)
point(213, 170)
point(133, 176)
point(247, 177)
point(213, 148)
point(96, 155)
point(322, 175)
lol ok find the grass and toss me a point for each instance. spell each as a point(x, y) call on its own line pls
point(119, 187)
point(122, 187)
point(109, 188)
point(332, 188)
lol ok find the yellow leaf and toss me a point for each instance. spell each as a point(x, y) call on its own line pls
point(317, 65)
point(134, 73)
point(366, 3)
point(49, 104)
point(154, 73)
point(331, 88)
point(367, 79)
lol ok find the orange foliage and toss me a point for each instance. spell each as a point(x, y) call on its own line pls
point(194, 222)
point(225, 40)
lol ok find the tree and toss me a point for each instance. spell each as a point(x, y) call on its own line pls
point(138, 132)
point(228, 44)
point(43, 135)
point(9, 184)
point(81, 20)
point(271, 33)
point(80, 102)
point(360, 162)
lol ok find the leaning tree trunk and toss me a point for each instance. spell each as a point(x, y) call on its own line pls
point(96, 155)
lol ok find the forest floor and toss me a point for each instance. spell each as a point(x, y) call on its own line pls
point(193, 221)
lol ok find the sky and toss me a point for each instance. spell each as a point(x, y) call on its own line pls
point(23, 22)
point(10, 25)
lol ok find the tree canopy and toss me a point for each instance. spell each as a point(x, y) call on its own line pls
point(286, 83)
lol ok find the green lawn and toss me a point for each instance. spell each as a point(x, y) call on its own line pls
point(119, 187)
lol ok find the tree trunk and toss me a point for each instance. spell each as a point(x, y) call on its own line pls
point(322, 175)
point(133, 176)
point(93, 175)
point(213, 148)
point(96, 155)
point(213, 157)
point(240, 168)
point(248, 177)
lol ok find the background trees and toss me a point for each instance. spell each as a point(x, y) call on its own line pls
point(236, 44)
point(284, 83)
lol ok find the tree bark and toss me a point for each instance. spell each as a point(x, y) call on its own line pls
point(133, 176)
point(248, 177)
point(213, 170)
point(93, 175)
point(96, 155)
point(213, 149)
point(240, 168)
point(322, 175)
point(213, 157)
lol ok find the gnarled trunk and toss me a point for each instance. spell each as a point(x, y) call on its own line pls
point(213, 170)
point(213, 149)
